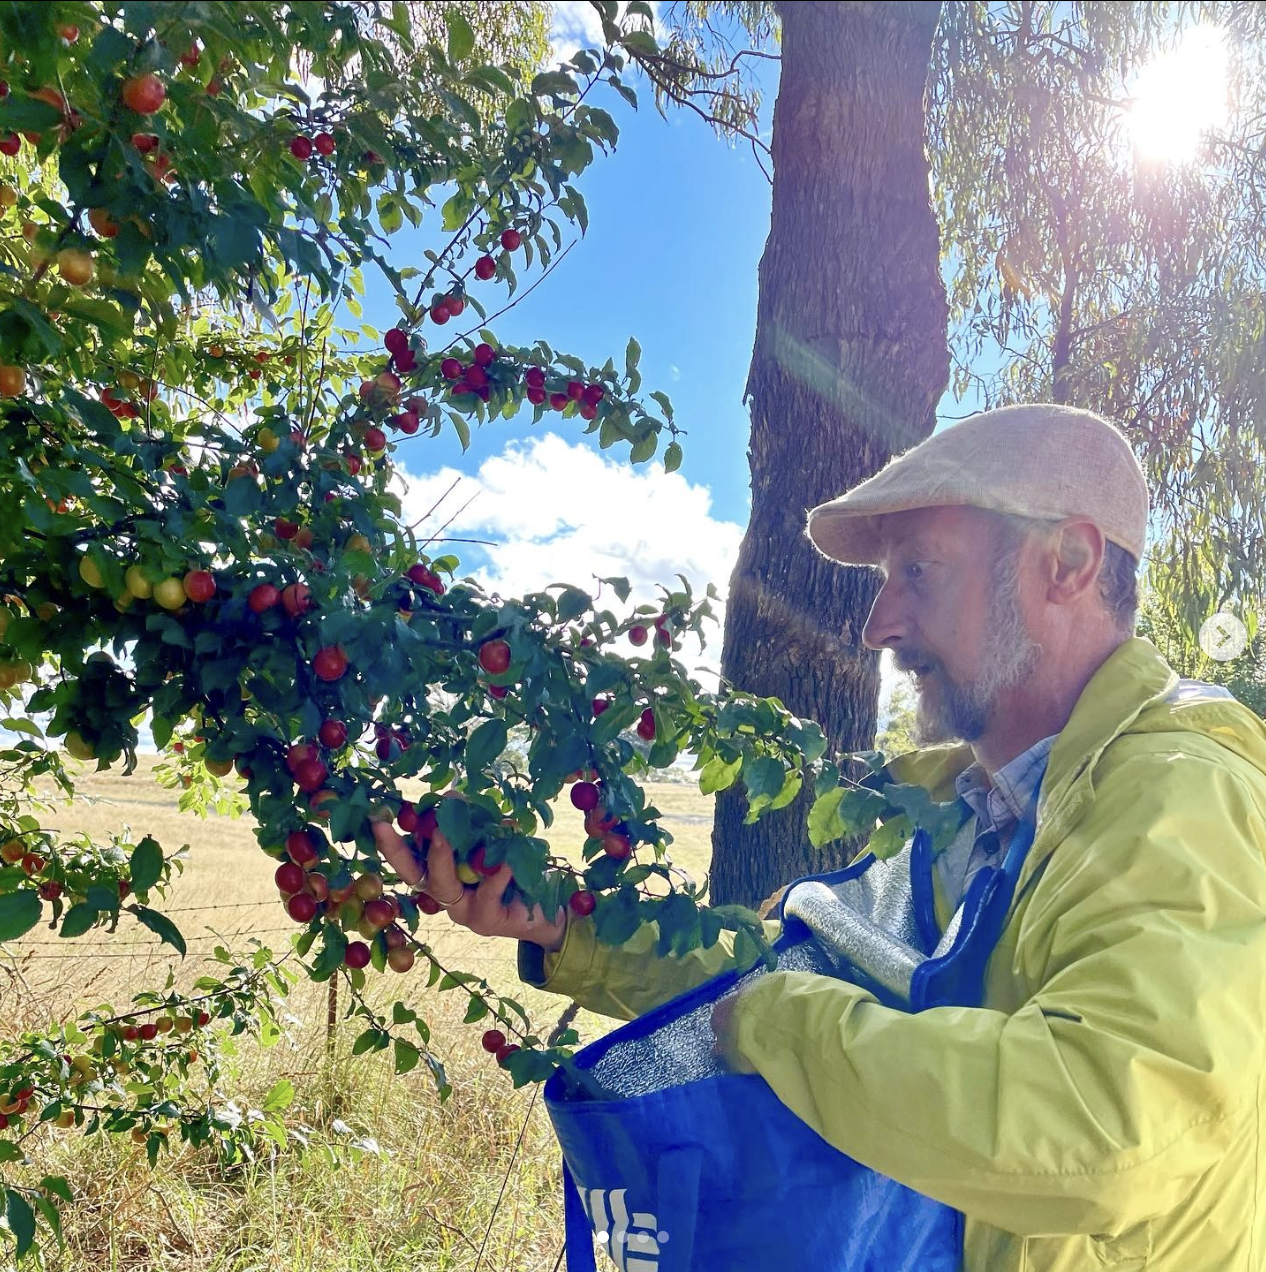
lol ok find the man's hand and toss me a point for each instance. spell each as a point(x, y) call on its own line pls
point(480, 908)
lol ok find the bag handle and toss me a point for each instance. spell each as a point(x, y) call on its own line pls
point(638, 1241)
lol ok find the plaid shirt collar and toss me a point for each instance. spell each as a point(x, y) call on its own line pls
point(1000, 804)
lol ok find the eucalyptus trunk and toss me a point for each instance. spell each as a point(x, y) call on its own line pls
point(849, 362)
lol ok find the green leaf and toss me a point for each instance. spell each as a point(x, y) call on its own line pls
point(640, 42)
point(161, 926)
point(890, 838)
point(58, 1186)
point(280, 1097)
point(486, 743)
point(21, 1220)
point(572, 603)
point(79, 918)
point(146, 864)
point(51, 1216)
point(476, 1011)
point(19, 913)
point(763, 776)
point(718, 774)
point(461, 38)
point(672, 457)
point(407, 1056)
point(644, 448)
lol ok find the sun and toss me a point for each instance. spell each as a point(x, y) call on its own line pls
point(1179, 96)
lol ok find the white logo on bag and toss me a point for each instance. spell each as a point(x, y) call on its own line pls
point(632, 1240)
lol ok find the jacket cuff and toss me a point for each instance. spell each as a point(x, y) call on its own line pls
point(565, 967)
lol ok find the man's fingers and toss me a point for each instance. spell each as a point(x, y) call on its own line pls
point(398, 855)
point(441, 871)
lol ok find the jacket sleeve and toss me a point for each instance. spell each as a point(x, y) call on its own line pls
point(1096, 1104)
point(627, 980)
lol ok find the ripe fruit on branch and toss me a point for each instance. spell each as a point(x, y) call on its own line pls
point(637, 634)
point(485, 268)
point(492, 1041)
point(285, 529)
point(534, 378)
point(575, 390)
point(143, 94)
point(476, 378)
point(485, 355)
point(10, 144)
point(479, 863)
point(289, 877)
point(263, 597)
point(221, 768)
point(494, 656)
point(400, 959)
point(170, 594)
point(317, 886)
point(310, 776)
point(600, 705)
point(379, 912)
point(616, 845)
point(301, 907)
point(330, 663)
point(199, 586)
point(357, 954)
point(504, 1053)
point(584, 796)
point(301, 147)
point(333, 734)
point(103, 223)
point(325, 143)
point(510, 239)
point(454, 305)
point(301, 753)
point(427, 903)
point(300, 847)
point(74, 266)
point(646, 725)
point(594, 393)
point(582, 903)
point(375, 439)
point(451, 369)
point(439, 313)
point(559, 401)
point(296, 599)
point(368, 887)
point(396, 341)
point(12, 381)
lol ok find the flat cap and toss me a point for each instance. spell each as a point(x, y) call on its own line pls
point(1044, 461)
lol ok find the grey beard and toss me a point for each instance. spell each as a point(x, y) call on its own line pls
point(962, 712)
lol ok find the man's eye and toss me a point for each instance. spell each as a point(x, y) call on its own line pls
point(914, 571)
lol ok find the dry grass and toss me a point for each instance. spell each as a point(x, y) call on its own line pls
point(426, 1200)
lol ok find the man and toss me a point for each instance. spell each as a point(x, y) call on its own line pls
point(1103, 1107)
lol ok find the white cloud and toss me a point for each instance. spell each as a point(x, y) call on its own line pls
point(563, 513)
point(576, 25)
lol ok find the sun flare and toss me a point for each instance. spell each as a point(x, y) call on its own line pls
point(1179, 96)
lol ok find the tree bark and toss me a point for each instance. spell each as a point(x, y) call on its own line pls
point(849, 362)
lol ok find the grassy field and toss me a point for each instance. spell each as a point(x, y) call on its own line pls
point(447, 1189)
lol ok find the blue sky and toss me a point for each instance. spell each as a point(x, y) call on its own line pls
point(677, 224)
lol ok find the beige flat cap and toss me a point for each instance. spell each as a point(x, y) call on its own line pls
point(1043, 461)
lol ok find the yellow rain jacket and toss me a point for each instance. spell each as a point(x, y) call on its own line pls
point(1103, 1108)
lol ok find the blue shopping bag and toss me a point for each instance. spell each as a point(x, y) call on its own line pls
point(679, 1166)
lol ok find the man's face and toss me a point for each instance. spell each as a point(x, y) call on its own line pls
point(952, 613)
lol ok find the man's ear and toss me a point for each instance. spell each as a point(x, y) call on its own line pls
point(1076, 548)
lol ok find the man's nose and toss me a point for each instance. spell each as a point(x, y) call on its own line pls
point(886, 627)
